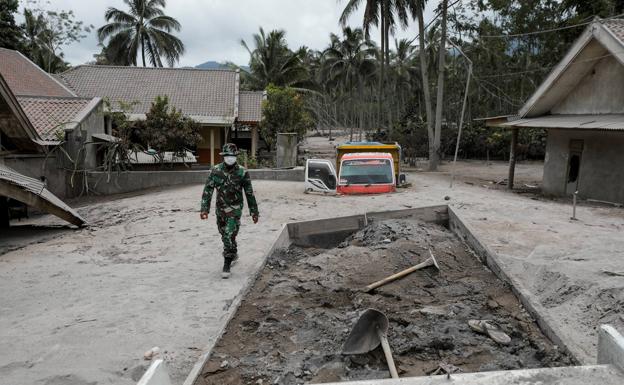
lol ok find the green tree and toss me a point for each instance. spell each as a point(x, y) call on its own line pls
point(272, 62)
point(145, 29)
point(167, 129)
point(10, 32)
point(283, 111)
point(47, 32)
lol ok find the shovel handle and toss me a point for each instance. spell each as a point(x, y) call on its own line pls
point(386, 348)
point(400, 274)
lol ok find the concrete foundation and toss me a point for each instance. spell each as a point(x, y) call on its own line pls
point(329, 232)
point(597, 177)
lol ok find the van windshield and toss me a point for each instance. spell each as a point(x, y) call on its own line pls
point(366, 171)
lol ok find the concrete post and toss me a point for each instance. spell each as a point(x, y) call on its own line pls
point(4, 212)
point(254, 140)
point(212, 146)
point(512, 158)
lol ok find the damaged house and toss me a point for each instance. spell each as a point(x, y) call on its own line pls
point(581, 106)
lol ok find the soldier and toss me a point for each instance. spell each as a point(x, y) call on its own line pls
point(230, 180)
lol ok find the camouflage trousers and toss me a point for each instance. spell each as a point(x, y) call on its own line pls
point(228, 228)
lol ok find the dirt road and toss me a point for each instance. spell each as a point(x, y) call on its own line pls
point(83, 306)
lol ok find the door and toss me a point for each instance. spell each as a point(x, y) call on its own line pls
point(320, 176)
point(574, 166)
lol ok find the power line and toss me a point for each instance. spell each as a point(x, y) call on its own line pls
point(547, 30)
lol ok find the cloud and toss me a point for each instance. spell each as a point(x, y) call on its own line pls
point(212, 29)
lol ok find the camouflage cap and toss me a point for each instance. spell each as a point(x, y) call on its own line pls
point(229, 149)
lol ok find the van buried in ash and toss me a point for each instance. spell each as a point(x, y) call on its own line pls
point(361, 168)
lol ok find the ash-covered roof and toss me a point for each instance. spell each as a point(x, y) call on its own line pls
point(50, 115)
point(616, 26)
point(208, 96)
point(250, 106)
point(26, 78)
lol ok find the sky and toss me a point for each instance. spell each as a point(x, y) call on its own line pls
point(212, 29)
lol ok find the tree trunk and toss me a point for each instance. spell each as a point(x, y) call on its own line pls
point(425, 80)
point(435, 160)
point(143, 51)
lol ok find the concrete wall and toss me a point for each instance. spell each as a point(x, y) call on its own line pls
point(75, 139)
point(599, 92)
point(601, 175)
point(36, 166)
point(139, 180)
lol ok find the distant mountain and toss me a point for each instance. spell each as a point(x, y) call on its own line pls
point(211, 65)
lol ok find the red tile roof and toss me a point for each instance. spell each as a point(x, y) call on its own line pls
point(50, 115)
point(26, 78)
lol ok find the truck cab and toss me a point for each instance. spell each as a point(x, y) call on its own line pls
point(366, 173)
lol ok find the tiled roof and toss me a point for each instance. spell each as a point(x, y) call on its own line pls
point(26, 78)
point(616, 26)
point(49, 114)
point(196, 92)
point(250, 106)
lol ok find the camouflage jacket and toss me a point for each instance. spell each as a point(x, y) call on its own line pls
point(230, 184)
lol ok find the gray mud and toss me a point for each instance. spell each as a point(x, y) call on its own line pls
point(291, 327)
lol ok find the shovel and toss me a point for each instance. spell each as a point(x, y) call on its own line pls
point(431, 261)
point(367, 333)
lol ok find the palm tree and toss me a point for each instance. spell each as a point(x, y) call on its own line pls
point(386, 14)
point(271, 62)
point(145, 29)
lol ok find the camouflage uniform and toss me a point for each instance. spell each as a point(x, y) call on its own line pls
point(230, 182)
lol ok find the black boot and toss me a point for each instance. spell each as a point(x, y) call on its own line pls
point(227, 262)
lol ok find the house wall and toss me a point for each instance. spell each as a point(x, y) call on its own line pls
point(37, 166)
point(599, 92)
point(93, 123)
point(601, 176)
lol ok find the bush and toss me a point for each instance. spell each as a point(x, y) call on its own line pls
point(283, 111)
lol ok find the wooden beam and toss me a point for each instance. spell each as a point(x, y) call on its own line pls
point(513, 153)
point(212, 146)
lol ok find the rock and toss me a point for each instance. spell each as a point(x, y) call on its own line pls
point(492, 304)
point(224, 364)
point(152, 353)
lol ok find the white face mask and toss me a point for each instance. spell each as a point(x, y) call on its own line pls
point(229, 160)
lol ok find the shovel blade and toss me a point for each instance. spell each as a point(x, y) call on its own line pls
point(364, 336)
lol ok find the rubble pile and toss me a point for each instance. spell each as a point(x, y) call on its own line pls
point(291, 326)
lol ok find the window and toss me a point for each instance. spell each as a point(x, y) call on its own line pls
point(366, 171)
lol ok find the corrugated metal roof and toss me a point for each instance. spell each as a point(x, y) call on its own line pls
point(26, 78)
point(250, 106)
point(584, 122)
point(38, 189)
point(195, 92)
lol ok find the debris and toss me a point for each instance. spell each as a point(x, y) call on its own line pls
point(224, 364)
point(613, 273)
point(491, 330)
point(291, 325)
point(447, 198)
point(152, 353)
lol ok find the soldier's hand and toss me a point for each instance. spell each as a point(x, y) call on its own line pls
point(203, 215)
point(254, 218)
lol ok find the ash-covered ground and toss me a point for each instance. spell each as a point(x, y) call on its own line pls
point(291, 327)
